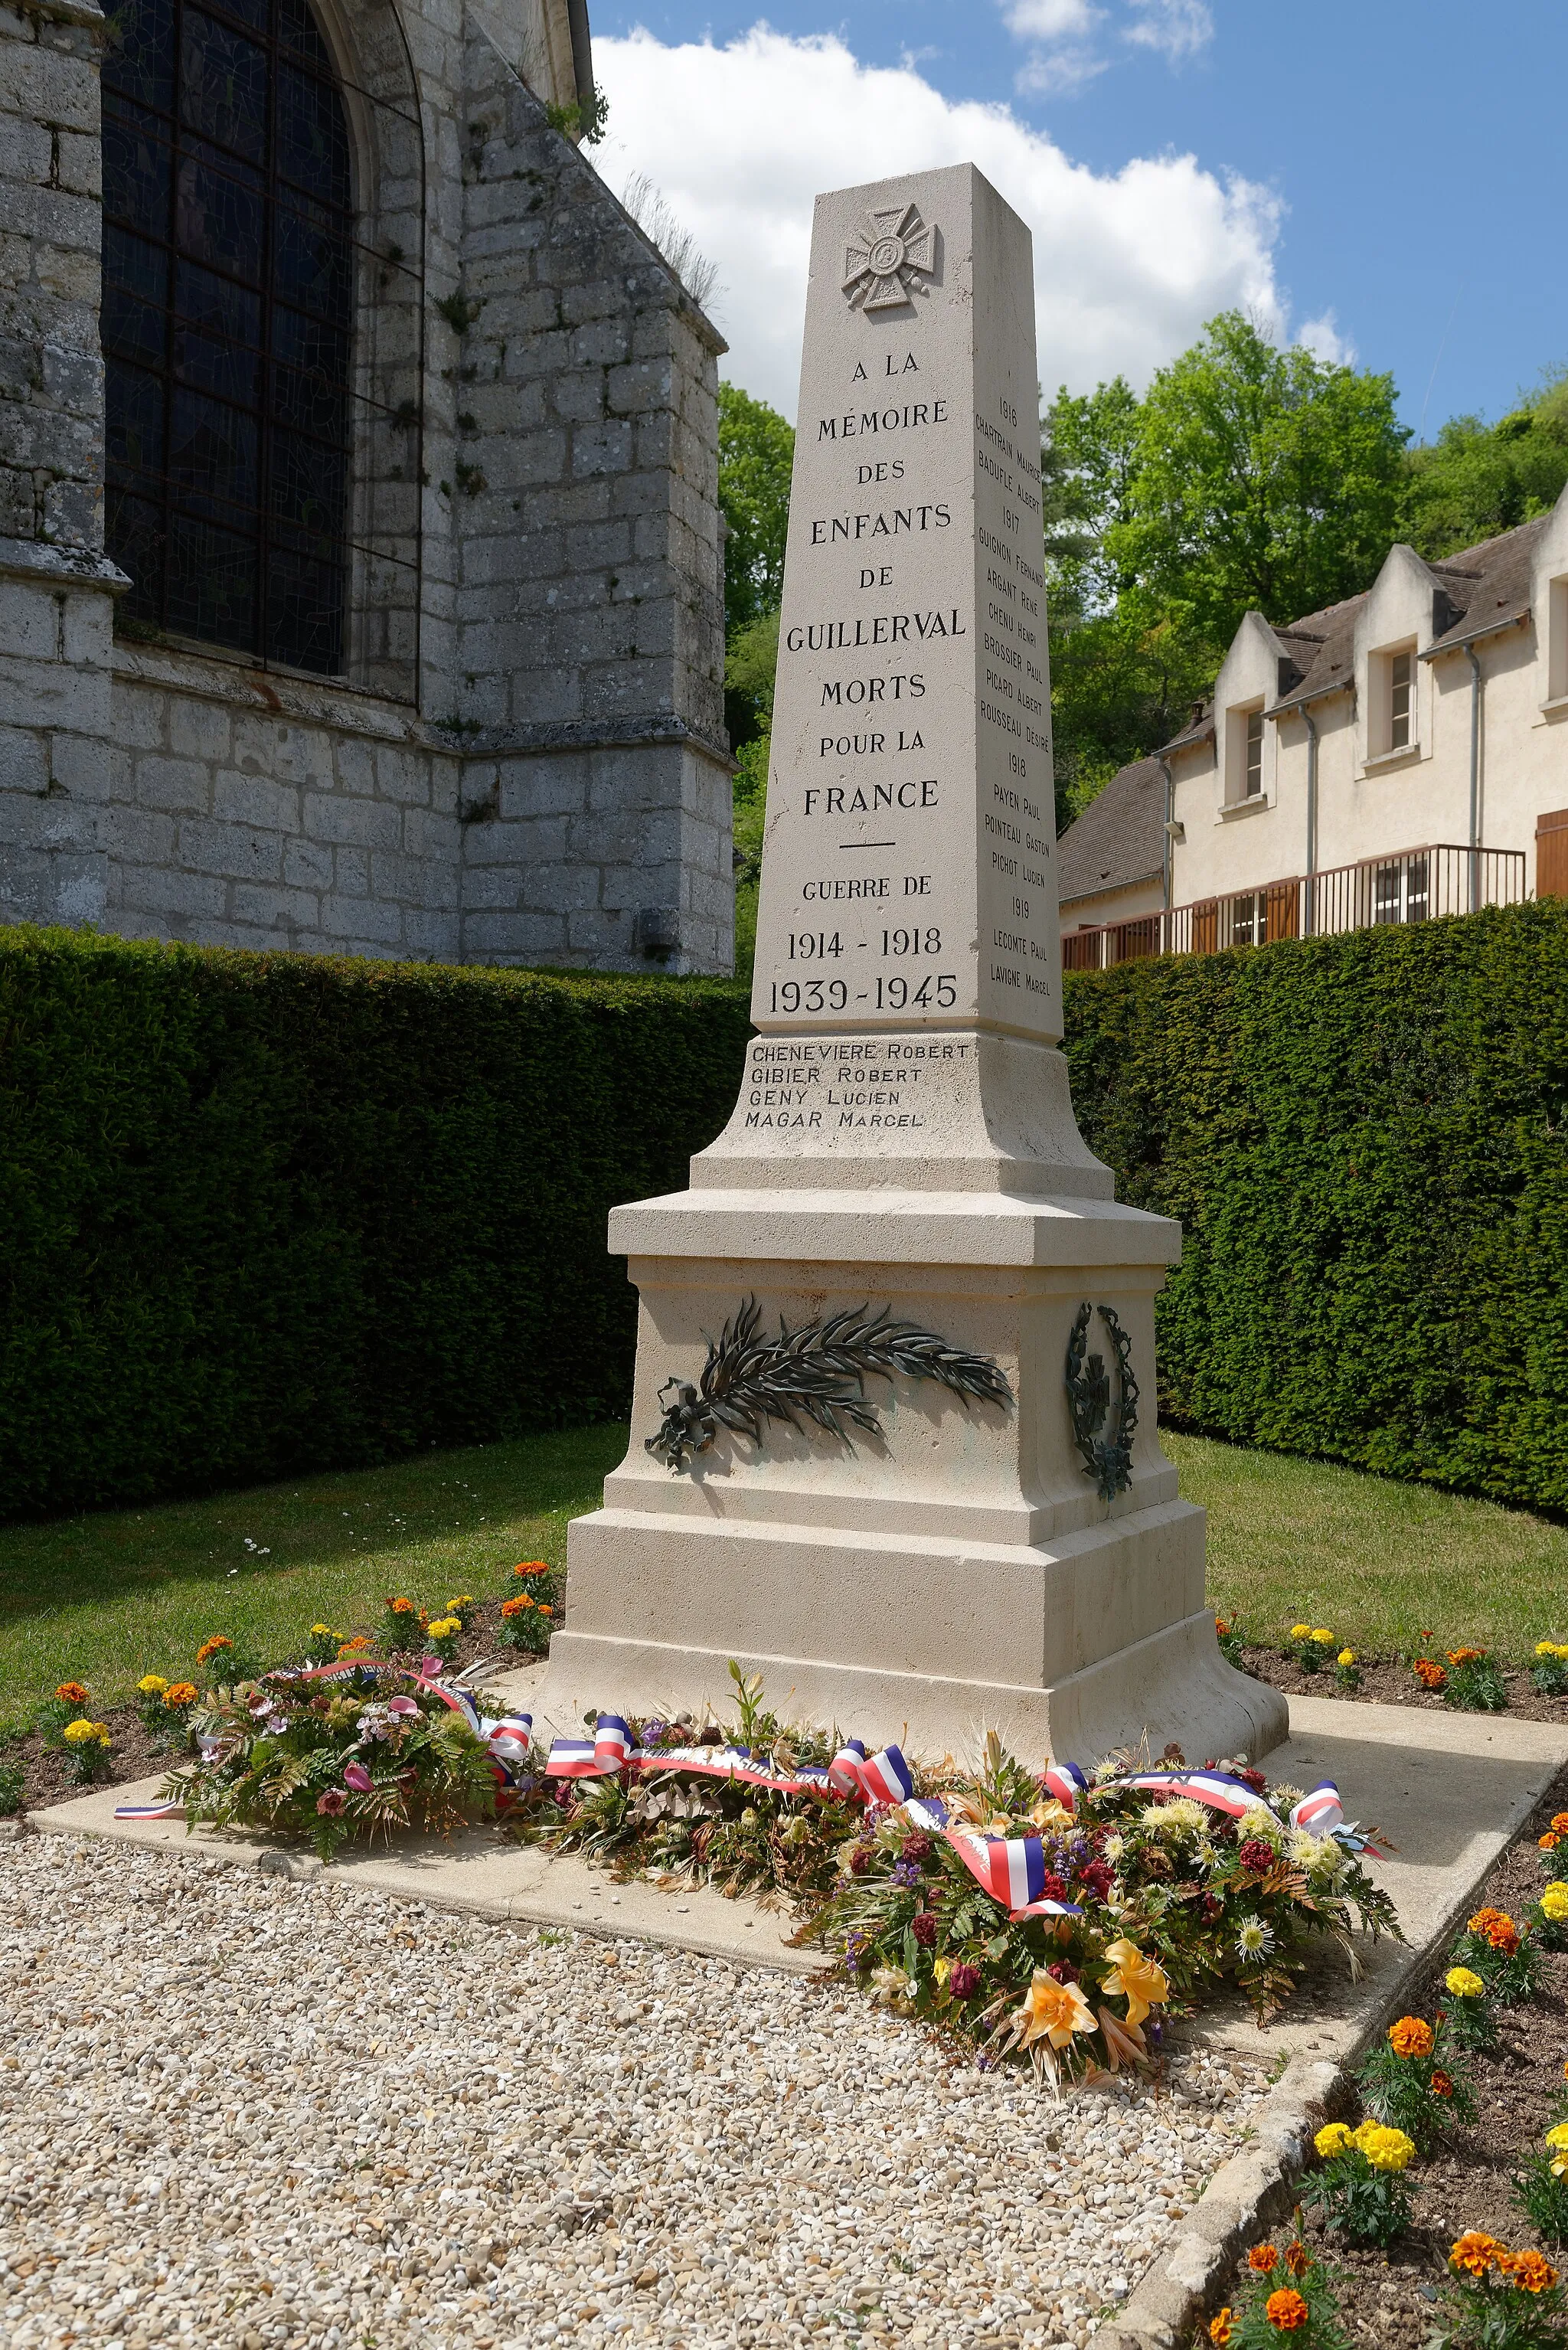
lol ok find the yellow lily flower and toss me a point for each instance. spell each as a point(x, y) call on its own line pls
point(1136, 1979)
point(1053, 2011)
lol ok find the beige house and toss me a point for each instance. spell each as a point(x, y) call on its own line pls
point(1399, 756)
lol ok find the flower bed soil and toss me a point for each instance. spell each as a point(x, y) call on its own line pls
point(1388, 2298)
point(133, 1755)
point(1388, 1681)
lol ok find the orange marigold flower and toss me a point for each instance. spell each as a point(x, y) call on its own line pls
point(213, 1648)
point(1465, 1656)
point(543, 1610)
point(1560, 1822)
point(1410, 2037)
point(1550, 1841)
point(1496, 1927)
point(532, 1566)
point(73, 1693)
point(1429, 1675)
point(179, 1694)
point(402, 1607)
point(1263, 2259)
point(1221, 2328)
point(1286, 2311)
point(1441, 2085)
point(1475, 2253)
point(1298, 2260)
point(1532, 2271)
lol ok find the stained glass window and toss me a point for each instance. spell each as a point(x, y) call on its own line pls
point(228, 298)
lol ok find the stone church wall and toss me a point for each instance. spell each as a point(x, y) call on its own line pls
point(555, 787)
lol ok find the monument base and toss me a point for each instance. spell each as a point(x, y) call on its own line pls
point(953, 1570)
point(1174, 1685)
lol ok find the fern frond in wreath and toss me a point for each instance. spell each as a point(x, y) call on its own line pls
point(1107, 1458)
point(815, 1375)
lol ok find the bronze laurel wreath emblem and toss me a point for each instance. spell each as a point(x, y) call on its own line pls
point(1107, 1458)
point(816, 1374)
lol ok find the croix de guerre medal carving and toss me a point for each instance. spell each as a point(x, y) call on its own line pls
point(884, 264)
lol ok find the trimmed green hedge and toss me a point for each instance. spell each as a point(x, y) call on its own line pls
point(264, 1213)
point(1365, 1139)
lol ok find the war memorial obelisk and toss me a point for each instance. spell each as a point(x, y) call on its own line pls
point(993, 1539)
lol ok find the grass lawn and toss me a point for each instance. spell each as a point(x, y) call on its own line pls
point(108, 1598)
point(1379, 1563)
point(105, 1599)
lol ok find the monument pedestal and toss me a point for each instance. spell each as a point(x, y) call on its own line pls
point(904, 1141)
point(956, 1572)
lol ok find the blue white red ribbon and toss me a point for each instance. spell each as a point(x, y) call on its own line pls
point(1012, 1870)
point(884, 1778)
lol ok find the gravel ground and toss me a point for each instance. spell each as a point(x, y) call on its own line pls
point(239, 2111)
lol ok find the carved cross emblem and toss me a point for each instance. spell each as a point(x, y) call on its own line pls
point(883, 266)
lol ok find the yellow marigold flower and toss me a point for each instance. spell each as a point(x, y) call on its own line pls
point(1346, 1656)
point(444, 1626)
point(1136, 1978)
point(1475, 2253)
point(1386, 2149)
point(1463, 1983)
point(1324, 1637)
point(86, 1733)
point(1557, 2138)
point(1554, 1903)
point(153, 1685)
point(1286, 2311)
point(1531, 2270)
point(941, 1968)
point(1546, 1647)
point(1334, 2138)
point(1410, 2037)
point(1300, 1631)
point(463, 1599)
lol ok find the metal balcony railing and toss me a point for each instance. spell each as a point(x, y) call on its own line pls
point(1412, 885)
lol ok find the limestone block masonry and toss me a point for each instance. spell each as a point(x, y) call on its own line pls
point(552, 786)
point(905, 1136)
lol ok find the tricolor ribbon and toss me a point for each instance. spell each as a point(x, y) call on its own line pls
point(884, 1778)
point(1012, 1870)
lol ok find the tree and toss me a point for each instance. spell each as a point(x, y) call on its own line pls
point(1122, 675)
point(1476, 480)
point(1247, 478)
point(756, 453)
point(1266, 481)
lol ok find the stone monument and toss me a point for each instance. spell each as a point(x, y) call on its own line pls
point(893, 1442)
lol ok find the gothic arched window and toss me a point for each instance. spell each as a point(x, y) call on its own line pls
point(228, 301)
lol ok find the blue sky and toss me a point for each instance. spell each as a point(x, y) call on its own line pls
point(1379, 177)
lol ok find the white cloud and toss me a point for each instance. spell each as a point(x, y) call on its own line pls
point(1322, 338)
point(741, 140)
point(1176, 28)
point(1051, 20)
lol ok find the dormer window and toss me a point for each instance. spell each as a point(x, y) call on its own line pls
point(1243, 755)
point(1401, 684)
point(1557, 640)
point(1391, 678)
